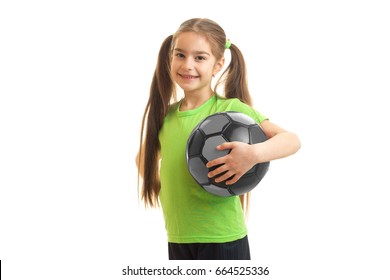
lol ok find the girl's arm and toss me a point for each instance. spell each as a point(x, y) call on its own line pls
point(243, 157)
point(280, 144)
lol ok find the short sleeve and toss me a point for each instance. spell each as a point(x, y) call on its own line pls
point(239, 106)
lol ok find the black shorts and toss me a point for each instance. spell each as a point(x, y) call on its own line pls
point(235, 250)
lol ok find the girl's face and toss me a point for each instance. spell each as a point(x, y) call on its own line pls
point(193, 64)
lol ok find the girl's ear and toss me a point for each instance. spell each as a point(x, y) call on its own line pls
point(218, 65)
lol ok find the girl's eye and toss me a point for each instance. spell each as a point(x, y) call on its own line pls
point(180, 55)
point(200, 58)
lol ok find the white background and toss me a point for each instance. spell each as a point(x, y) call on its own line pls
point(74, 80)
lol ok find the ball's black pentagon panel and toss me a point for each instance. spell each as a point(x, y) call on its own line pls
point(196, 145)
point(214, 124)
point(213, 131)
point(262, 169)
point(257, 135)
point(247, 183)
point(237, 132)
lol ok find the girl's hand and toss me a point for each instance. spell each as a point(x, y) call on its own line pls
point(243, 157)
point(240, 159)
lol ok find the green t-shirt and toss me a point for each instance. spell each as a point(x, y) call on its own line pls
point(191, 214)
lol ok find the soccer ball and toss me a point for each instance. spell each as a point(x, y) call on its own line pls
point(213, 131)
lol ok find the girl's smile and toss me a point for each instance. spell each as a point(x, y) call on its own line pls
point(188, 77)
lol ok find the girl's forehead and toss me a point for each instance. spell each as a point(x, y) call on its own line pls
point(191, 40)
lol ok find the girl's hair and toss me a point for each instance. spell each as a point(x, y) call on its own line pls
point(163, 93)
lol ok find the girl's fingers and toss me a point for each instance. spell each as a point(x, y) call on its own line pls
point(233, 180)
point(217, 171)
point(215, 162)
point(225, 146)
point(224, 177)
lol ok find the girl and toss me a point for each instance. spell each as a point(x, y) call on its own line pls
point(200, 225)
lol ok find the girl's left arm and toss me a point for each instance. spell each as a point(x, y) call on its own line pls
point(243, 157)
point(281, 143)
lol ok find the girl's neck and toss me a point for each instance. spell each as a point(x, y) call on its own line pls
point(194, 100)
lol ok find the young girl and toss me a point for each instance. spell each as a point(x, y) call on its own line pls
point(200, 225)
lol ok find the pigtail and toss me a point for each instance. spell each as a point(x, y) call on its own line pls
point(161, 91)
point(236, 84)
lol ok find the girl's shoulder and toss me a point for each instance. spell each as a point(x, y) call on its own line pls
point(235, 104)
point(230, 103)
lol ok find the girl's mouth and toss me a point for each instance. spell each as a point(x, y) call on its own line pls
point(188, 77)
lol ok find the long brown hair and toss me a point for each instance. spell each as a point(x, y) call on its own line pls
point(162, 94)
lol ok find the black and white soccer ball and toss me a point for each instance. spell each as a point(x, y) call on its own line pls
point(213, 131)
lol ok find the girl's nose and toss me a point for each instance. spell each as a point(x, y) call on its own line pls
point(188, 64)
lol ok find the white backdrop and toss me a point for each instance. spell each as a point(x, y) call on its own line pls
point(74, 80)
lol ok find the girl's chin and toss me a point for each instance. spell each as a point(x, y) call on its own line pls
point(186, 87)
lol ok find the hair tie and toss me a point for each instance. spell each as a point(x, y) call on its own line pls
point(228, 44)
